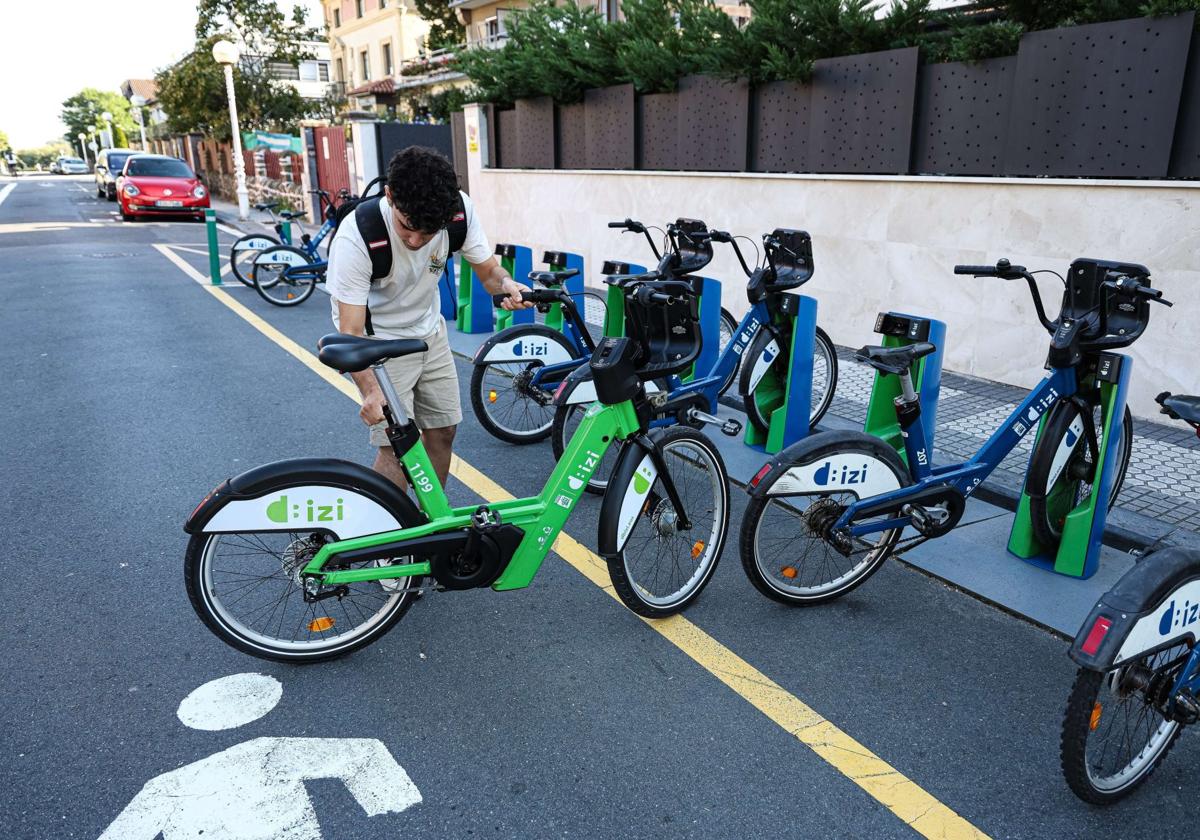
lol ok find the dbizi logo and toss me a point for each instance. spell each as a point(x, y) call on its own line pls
point(828, 474)
point(531, 348)
point(1175, 619)
point(308, 511)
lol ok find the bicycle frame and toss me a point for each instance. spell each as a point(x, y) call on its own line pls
point(965, 476)
point(739, 342)
point(541, 517)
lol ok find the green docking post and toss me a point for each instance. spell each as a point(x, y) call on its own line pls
point(214, 254)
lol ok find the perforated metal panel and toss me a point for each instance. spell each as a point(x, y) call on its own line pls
point(610, 117)
point(502, 137)
point(458, 127)
point(535, 133)
point(713, 119)
point(962, 117)
point(1098, 100)
point(658, 131)
point(862, 112)
point(571, 127)
point(779, 133)
point(1185, 153)
point(391, 137)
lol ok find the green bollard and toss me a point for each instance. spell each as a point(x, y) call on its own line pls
point(214, 255)
point(286, 231)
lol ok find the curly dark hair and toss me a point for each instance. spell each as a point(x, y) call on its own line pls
point(424, 187)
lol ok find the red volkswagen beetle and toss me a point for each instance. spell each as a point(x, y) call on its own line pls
point(158, 185)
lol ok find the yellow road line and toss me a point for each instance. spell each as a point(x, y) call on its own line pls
point(919, 809)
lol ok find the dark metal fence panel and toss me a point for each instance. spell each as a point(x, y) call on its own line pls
point(658, 131)
point(504, 141)
point(862, 112)
point(610, 117)
point(779, 133)
point(571, 128)
point(1098, 100)
point(713, 119)
point(535, 133)
point(1185, 153)
point(392, 137)
point(962, 117)
point(458, 128)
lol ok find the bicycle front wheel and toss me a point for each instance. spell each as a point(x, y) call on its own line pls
point(1061, 468)
point(243, 253)
point(660, 568)
point(765, 371)
point(1114, 734)
point(247, 588)
point(729, 326)
point(276, 284)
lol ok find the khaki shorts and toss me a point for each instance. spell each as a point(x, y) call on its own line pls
point(428, 387)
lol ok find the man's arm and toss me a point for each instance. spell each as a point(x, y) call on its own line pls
point(352, 319)
point(498, 282)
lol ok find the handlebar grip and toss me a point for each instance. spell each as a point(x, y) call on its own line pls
point(977, 270)
point(617, 224)
point(720, 236)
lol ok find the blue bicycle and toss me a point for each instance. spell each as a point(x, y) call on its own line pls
point(826, 512)
point(246, 249)
point(1138, 684)
point(760, 338)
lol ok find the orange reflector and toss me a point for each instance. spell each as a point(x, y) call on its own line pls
point(697, 548)
point(320, 625)
point(1097, 710)
point(491, 396)
point(788, 572)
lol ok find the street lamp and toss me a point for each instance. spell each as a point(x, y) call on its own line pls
point(83, 147)
point(137, 102)
point(227, 54)
point(107, 117)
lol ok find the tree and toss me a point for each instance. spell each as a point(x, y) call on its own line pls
point(45, 155)
point(82, 113)
point(445, 32)
point(259, 27)
point(3, 141)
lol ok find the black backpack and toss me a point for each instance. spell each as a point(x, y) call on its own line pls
point(373, 230)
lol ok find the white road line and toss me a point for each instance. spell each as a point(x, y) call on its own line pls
point(4, 192)
point(229, 230)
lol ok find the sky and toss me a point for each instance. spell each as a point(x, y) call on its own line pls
point(50, 51)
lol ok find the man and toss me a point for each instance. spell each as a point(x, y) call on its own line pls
point(420, 198)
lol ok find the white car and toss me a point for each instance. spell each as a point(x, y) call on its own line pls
point(69, 166)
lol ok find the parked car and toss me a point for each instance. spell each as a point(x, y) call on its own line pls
point(69, 166)
point(109, 164)
point(159, 185)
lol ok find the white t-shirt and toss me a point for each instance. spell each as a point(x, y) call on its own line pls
point(406, 303)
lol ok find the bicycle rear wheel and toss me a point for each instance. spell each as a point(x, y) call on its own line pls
point(505, 400)
point(1061, 465)
point(729, 326)
point(276, 284)
point(659, 569)
point(1114, 735)
point(243, 253)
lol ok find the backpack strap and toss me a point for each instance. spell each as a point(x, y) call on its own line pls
point(369, 219)
point(457, 228)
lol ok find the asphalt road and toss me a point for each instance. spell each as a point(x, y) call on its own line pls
point(130, 391)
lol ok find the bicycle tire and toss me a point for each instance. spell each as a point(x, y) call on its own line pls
point(771, 568)
point(1047, 513)
point(761, 398)
point(234, 259)
point(496, 377)
point(272, 282)
point(729, 326)
point(1086, 713)
point(690, 557)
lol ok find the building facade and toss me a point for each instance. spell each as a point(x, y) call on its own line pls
point(369, 42)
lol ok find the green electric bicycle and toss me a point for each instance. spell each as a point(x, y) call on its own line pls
point(309, 559)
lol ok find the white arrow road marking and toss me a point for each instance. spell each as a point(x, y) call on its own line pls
point(230, 702)
point(255, 791)
point(4, 192)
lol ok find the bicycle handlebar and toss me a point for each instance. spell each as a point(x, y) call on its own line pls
point(631, 226)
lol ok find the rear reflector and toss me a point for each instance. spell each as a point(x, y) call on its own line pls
point(760, 475)
point(1096, 635)
point(558, 391)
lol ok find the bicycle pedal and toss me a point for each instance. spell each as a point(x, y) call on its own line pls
point(731, 428)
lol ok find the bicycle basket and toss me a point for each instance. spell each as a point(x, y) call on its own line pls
point(1122, 318)
point(793, 259)
point(693, 254)
point(670, 335)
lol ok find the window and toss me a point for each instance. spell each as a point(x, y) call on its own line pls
point(308, 71)
point(322, 71)
point(337, 18)
point(387, 59)
point(283, 70)
point(383, 4)
point(341, 71)
point(610, 10)
point(492, 28)
point(159, 168)
point(358, 4)
point(366, 66)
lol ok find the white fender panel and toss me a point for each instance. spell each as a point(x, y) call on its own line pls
point(305, 508)
point(635, 497)
point(1178, 618)
point(527, 348)
point(257, 243)
point(854, 472)
point(763, 363)
point(289, 257)
point(585, 392)
point(1069, 443)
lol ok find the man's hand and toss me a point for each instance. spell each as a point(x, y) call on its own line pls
point(514, 300)
point(372, 407)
